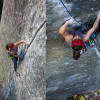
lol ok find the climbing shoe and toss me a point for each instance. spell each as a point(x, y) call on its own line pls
point(17, 74)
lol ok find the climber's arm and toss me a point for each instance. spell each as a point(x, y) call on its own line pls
point(18, 43)
point(95, 25)
point(62, 30)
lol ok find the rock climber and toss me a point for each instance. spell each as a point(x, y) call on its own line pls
point(12, 52)
point(76, 39)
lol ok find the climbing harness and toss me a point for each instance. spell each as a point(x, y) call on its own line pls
point(10, 55)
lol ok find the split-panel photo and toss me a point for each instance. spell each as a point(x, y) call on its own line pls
point(73, 50)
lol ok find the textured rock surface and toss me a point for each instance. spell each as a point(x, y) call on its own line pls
point(66, 77)
point(20, 20)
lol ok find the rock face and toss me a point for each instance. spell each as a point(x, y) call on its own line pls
point(20, 20)
point(66, 77)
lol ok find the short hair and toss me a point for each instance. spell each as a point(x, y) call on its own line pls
point(7, 46)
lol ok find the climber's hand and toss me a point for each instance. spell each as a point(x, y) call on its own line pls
point(28, 45)
point(71, 20)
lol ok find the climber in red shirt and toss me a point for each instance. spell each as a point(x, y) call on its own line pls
point(12, 51)
point(76, 39)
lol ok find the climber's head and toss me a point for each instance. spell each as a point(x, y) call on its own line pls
point(10, 45)
point(76, 55)
point(77, 44)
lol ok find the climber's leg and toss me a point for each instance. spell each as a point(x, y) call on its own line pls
point(15, 63)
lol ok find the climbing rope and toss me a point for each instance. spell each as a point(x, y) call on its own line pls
point(82, 25)
point(35, 35)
